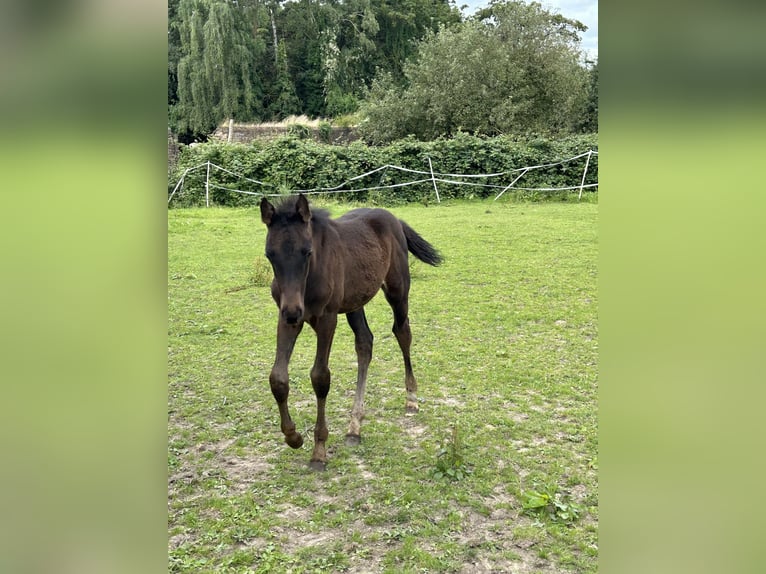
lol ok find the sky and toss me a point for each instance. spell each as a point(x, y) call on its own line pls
point(586, 11)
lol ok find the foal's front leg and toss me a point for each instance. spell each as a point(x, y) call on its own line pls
point(280, 382)
point(320, 380)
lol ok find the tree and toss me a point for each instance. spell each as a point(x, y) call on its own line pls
point(589, 123)
point(174, 52)
point(515, 68)
point(546, 46)
point(349, 53)
point(286, 102)
point(303, 27)
point(264, 59)
point(217, 70)
point(402, 24)
point(457, 72)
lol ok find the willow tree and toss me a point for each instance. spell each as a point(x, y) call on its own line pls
point(217, 71)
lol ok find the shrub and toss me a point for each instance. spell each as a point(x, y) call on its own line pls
point(299, 130)
point(294, 163)
point(325, 131)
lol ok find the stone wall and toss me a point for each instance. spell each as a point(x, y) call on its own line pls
point(246, 133)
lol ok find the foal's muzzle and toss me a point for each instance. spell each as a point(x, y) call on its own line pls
point(292, 315)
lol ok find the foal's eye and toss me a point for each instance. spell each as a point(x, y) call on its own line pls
point(306, 252)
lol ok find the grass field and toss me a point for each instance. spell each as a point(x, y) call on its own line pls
point(496, 473)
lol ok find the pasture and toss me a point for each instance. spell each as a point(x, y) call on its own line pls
point(496, 473)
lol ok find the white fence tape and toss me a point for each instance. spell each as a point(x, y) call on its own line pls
point(431, 176)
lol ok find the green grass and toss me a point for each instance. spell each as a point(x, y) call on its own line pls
point(504, 349)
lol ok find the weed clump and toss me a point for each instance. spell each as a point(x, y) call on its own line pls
point(550, 503)
point(450, 462)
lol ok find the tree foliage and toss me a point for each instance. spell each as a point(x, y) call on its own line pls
point(216, 73)
point(414, 65)
point(514, 68)
point(589, 121)
point(266, 59)
point(294, 162)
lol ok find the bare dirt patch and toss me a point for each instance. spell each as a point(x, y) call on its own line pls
point(243, 472)
point(413, 429)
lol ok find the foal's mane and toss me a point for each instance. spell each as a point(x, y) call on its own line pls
point(285, 210)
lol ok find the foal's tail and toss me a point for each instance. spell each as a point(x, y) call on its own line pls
point(420, 248)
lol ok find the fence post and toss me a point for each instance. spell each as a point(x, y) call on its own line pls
point(584, 173)
point(178, 185)
point(433, 179)
point(207, 186)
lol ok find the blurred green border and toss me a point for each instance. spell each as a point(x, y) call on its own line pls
point(83, 296)
point(682, 278)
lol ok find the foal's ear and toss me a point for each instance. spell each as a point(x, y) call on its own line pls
point(302, 207)
point(267, 211)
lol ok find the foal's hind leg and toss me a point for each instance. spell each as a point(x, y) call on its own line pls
point(397, 297)
point(363, 343)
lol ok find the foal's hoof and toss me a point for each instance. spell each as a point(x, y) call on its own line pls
point(294, 440)
point(318, 465)
point(411, 408)
point(353, 440)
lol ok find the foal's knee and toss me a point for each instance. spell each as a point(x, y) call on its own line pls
point(320, 380)
point(280, 386)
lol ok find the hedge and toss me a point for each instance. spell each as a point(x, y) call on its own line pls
point(291, 163)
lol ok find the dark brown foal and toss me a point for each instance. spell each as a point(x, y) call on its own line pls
point(325, 267)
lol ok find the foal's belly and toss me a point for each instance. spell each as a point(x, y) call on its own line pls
point(359, 298)
point(366, 264)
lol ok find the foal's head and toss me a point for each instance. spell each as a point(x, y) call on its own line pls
point(288, 249)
